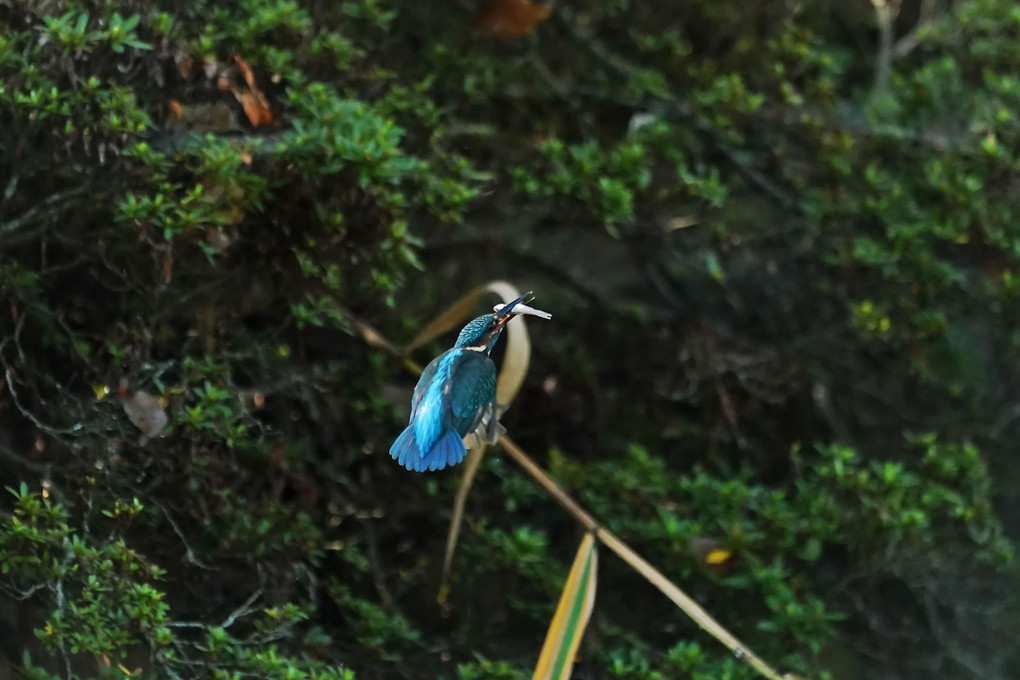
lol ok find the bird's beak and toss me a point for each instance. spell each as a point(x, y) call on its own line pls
point(518, 307)
point(506, 312)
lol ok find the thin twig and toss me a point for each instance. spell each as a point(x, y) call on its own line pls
point(18, 459)
point(31, 416)
point(189, 554)
point(886, 12)
point(58, 591)
point(471, 466)
point(243, 610)
point(906, 44)
point(9, 229)
point(22, 595)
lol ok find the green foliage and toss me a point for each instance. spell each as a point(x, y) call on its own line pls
point(106, 598)
point(484, 669)
point(883, 512)
point(607, 182)
point(376, 628)
point(798, 348)
point(190, 221)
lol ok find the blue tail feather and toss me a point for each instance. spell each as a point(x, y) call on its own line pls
point(455, 455)
point(405, 450)
point(449, 450)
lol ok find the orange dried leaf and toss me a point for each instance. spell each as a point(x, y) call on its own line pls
point(184, 65)
point(176, 110)
point(249, 77)
point(513, 19)
point(256, 108)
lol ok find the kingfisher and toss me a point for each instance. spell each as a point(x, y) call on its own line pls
point(456, 395)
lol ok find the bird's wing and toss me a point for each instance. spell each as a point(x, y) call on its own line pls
point(474, 390)
point(424, 380)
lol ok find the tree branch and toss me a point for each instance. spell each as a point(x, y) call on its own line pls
point(49, 207)
point(886, 12)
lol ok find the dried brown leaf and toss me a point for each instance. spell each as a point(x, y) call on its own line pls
point(256, 108)
point(513, 19)
point(471, 465)
point(246, 71)
point(184, 65)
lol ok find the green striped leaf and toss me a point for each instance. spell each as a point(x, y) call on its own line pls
point(571, 618)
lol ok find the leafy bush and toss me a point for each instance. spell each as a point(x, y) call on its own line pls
point(782, 261)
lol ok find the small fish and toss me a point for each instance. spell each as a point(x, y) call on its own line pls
point(521, 309)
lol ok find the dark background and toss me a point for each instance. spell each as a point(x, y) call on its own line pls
point(779, 241)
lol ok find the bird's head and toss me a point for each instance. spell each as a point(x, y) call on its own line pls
point(481, 334)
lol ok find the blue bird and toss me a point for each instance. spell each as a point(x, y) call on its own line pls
point(456, 394)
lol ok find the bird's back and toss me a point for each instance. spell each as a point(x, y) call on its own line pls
point(459, 385)
point(430, 406)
